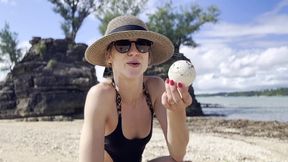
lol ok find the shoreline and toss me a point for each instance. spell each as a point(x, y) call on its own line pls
point(197, 124)
point(212, 139)
point(243, 127)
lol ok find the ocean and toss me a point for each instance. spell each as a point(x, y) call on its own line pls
point(253, 108)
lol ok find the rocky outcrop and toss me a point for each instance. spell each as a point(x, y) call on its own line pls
point(52, 79)
point(162, 71)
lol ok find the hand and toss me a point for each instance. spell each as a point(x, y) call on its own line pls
point(176, 96)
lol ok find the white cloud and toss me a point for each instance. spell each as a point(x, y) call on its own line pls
point(238, 57)
point(277, 24)
point(266, 30)
point(231, 70)
point(25, 46)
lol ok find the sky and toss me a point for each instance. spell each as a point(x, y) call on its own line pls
point(247, 49)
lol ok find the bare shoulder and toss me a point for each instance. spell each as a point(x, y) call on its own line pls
point(154, 83)
point(155, 87)
point(99, 100)
point(102, 89)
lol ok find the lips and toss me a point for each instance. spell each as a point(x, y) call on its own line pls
point(133, 63)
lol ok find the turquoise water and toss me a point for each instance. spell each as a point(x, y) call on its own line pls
point(253, 108)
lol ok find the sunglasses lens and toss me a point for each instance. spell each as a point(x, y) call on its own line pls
point(143, 45)
point(122, 46)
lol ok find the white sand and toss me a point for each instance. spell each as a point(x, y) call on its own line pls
point(59, 142)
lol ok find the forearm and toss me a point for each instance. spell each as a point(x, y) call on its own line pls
point(90, 149)
point(177, 133)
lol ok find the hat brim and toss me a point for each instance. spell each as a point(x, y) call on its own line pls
point(161, 50)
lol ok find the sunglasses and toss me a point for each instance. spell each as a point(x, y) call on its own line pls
point(123, 46)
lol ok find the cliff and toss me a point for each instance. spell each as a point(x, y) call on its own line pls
point(52, 79)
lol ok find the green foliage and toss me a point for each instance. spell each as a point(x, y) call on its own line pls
point(179, 25)
point(51, 64)
point(110, 9)
point(8, 48)
point(74, 12)
point(40, 48)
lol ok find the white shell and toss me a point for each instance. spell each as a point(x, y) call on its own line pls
point(182, 71)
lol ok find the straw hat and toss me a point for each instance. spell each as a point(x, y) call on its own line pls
point(129, 27)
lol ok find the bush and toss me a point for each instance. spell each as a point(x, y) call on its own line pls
point(51, 64)
point(40, 48)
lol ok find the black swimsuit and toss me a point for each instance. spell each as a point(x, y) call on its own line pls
point(118, 146)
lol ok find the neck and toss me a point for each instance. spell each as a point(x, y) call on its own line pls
point(129, 89)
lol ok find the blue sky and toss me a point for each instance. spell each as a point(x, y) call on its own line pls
point(246, 50)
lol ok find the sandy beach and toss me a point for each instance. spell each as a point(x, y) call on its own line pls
point(211, 140)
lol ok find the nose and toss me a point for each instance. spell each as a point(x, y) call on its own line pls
point(133, 50)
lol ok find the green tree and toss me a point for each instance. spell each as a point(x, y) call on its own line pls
point(74, 12)
point(179, 25)
point(112, 8)
point(8, 48)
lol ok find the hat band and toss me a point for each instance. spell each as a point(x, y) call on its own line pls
point(127, 27)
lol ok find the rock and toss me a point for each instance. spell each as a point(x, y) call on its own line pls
point(52, 79)
point(34, 40)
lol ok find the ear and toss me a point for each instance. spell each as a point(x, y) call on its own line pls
point(108, 57)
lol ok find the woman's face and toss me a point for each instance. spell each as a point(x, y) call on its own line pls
point(129, 62)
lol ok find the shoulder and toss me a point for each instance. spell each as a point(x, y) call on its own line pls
point(99, 100)
point(155, 86)
point(154, 82)
point(101, 90)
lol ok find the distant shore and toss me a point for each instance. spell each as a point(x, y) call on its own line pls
point(243, 127)
point(265, 92)
point(211, 139)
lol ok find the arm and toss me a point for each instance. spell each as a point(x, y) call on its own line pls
point(95, 115)
point(172, 117)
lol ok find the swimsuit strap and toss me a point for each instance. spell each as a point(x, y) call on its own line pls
point(118, 98)
point(148, 99)
point(146, 94)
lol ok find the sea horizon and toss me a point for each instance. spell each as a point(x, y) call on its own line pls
point(260, 108)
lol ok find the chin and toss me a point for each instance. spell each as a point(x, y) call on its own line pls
point(134, 74)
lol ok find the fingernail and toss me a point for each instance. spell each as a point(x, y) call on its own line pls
point(167, 81)
point(171, 82)
point(180, 85)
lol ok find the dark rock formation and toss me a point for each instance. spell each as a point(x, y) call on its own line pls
point(162, 71)
point(52, 79)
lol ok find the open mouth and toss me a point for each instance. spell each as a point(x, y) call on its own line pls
point(133, 63)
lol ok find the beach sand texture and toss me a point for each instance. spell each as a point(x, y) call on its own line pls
point(211, 140)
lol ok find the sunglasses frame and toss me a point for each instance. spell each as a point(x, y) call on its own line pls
point(137, 45)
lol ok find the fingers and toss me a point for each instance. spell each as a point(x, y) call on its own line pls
point(165, 100)
point(173, 96)
point(177, 93)
point(184, 92)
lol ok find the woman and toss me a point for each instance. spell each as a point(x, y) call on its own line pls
point(118, 113)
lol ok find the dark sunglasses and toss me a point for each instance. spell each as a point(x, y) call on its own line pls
point(123, 46)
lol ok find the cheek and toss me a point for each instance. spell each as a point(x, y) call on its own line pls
point(146, 61)
point(117, 60)
point(149, 59)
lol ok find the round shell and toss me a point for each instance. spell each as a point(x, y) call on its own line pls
point(182, 71)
